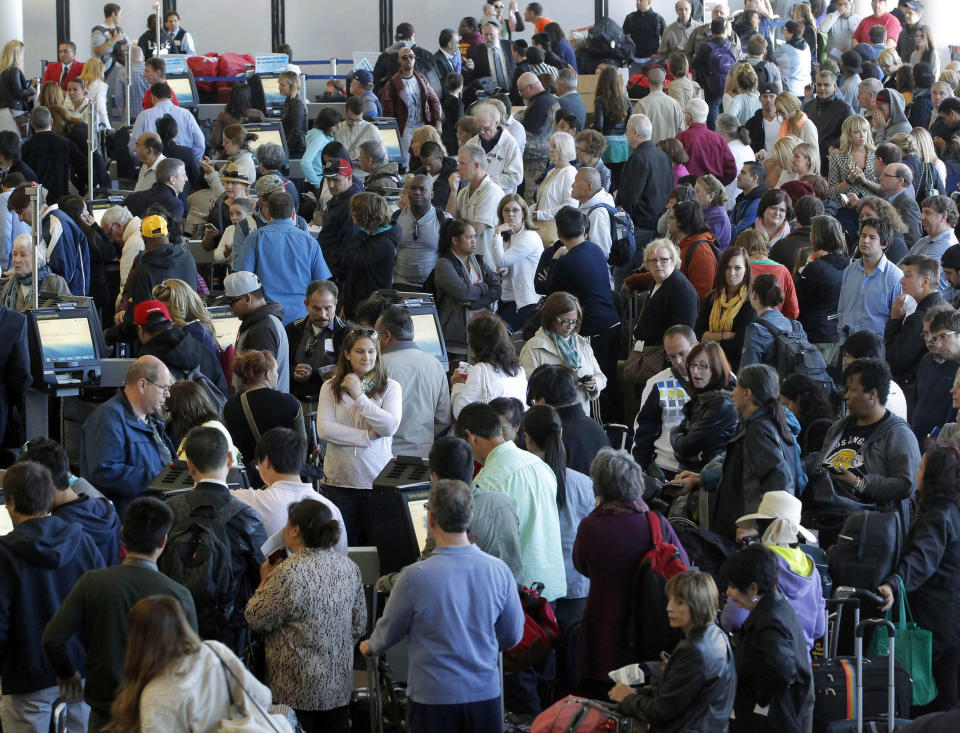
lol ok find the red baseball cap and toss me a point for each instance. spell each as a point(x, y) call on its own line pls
point(339, 167)
point(142, 312)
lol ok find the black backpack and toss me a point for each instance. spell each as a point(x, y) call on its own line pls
point(623, 242)
point(198, 556)
point(867, 549)
point(217, 398)
point(796, 355)
point(607, 40)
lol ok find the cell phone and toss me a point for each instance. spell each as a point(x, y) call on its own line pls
point(277, 556)
point(211, 228)
point(836, 470)
point(586, 378)
point(844, 199)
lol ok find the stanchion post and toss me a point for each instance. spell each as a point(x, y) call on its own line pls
point(35, 234)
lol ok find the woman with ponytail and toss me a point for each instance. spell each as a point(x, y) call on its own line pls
point(543, 434)
point(312, 608)
point(761, 456)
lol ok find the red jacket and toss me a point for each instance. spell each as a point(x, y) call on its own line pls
point(394, 99)
point(790, 306)
point(709, 153)
point(54, 71)
point(148, 103)
point(700, 270)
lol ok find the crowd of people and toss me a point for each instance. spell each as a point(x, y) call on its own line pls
point(745, 253)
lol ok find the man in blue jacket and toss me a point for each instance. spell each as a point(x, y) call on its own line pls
point(338, 226)
point(750, 182)
point(95, 514)
point(123, 447)
point(285, 258)
point(68, 252)
point(40, 560)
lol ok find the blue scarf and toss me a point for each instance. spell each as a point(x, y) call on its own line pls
point(18, 281)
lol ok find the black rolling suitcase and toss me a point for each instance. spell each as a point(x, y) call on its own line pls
point(835, 678)
point(888, 720)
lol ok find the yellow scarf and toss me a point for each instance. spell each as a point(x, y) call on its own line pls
point(724, 310)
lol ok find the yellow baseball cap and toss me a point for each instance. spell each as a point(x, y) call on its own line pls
point(154, 226)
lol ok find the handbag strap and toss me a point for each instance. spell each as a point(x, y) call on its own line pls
point(249, 415)
point(906, 615)
point(231, 673)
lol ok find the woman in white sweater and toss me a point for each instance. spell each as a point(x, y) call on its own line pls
point(357, 415)
point(174, 683)
point(516, 250)
point(495, 371)
point(558, 341)
point(555, 191)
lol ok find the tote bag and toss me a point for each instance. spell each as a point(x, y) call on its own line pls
point(914, 649)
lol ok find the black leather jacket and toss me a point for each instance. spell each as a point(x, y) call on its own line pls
point(709, 422)
point(694, 690)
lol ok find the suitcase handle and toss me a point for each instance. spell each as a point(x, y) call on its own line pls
point(886, 623)
point(891, 671)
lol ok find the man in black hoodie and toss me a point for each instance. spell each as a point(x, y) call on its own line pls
point(261, 324)
point(173, 346)
point(95, 514)
point(40, 561)
point(160, 261)
point(827, 111)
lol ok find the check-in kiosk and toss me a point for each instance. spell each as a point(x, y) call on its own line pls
point(427, 334)
point(268, 131)
point(399, 511)
point(265, 93)
point(175, 479)
point(390, 136)
point(183, 85)
point(225, 324)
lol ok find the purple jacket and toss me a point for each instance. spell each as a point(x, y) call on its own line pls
point(719, 223)
point(804, 594)
point(610, 543)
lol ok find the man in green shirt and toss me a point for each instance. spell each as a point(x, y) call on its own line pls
point(532, 486)
point(96, 609)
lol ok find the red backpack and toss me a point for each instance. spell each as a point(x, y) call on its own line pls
point(579, 715)
point(540, 631)
point(649, 631)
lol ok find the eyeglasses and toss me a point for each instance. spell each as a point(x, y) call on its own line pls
point(938, 338)
point(700, 366)
point(364, 332)
point(888, 175)
point(566, 322)
point(165, 388)
point(659, 260)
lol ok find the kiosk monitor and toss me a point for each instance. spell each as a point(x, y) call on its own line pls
point(399, 511)
point(267, 132)
point(390, 135)
point(63, 347)
point(225, 324)
point(185, 88)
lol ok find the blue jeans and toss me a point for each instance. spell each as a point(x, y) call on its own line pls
point(354, 505)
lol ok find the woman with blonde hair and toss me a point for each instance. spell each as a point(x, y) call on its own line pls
point(187, 311)
point(424, 133)
point(743, 98)
point(92, 76)
point(852, 158)
point(174, 682)
point(14, 89)
point(805, 160)
point(293, 116)
point(555, 191)
point(795, 121)
point(933, 171)
point(779, 163)
point(889, 62)
point(51, 95)
point(516, 251)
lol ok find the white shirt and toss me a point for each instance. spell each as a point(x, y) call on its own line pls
point(741, 154)
point(522, 257)
point(504, 161)
point(515, 128)
point(555, 192)
point(897, 400)
point(132, 246)
point(485, 383)
point(771, 132)
point(271, 505)
point(148, 175)
point(599, 218)
point(480, 205)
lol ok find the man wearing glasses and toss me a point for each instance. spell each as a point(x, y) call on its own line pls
point(935, 375)
point(123, 446)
